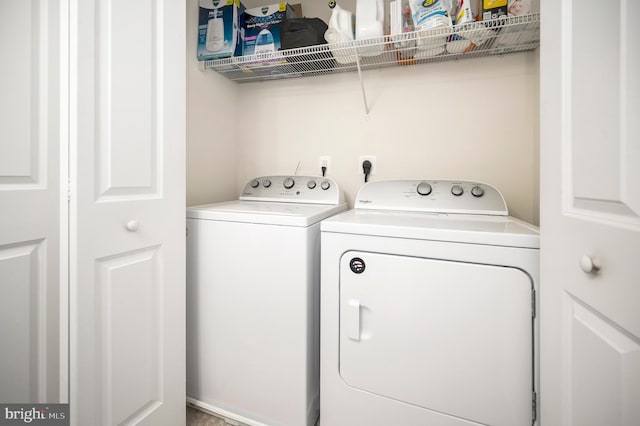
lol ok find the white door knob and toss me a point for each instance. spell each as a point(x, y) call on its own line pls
point(589, 265)
point(132, 226)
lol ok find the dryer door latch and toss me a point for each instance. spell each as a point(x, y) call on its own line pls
point(353, 320)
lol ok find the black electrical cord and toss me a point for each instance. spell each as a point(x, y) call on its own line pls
point(324, 170)
point(366, 168)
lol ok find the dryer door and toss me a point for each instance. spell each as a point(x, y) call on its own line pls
point(448, 336)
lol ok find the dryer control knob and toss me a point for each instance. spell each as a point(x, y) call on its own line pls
point(255, 183)
point(288, 183)
point(457, 190)
point(325, 185)
point(266, 183)
point(311, 184)
point(424, 188)
point(477, 191)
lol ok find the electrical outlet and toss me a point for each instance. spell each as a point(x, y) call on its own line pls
point(324, 161)
point(372, 159)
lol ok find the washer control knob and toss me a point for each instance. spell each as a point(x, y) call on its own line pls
point(457, 190)
point(311, 184)
point(255, 183)
point(424, 188)
point(288, 183)
point(477, 191)
point(266, 183)
point(325, 185)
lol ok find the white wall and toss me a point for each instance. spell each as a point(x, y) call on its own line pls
point(474, 119)
point(211, 133)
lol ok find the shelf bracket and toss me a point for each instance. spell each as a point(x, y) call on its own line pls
point(364, 93)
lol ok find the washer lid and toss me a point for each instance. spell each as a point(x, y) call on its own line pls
point(461, 228)
point(270, 213)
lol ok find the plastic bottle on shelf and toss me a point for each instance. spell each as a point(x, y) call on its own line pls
point(407, 45)
point(340, 30)
point(407, 20)
point(433, 22)
point(369, 25)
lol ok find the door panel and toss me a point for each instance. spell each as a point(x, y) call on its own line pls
point(617, 356)
point(602, 136)
point(21, 78)
point(30, 203)
point(23, 353)
point(128, 307)
point(129, 65)
point(589, 152)
point(590, 216)
point(447, 336)
point(128, 224)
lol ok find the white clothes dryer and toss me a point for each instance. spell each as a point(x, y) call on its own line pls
point(253, 276)
point(428, 316)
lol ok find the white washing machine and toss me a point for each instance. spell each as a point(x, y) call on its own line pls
point(428, 316)
point(253, 276)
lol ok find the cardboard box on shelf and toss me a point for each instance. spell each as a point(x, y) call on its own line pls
point(219, 29)
point(494, 9)
point(523, 7)
point(297, 9)
point(259, 27)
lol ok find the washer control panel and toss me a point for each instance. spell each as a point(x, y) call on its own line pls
point(293, 189)
point(433, 196)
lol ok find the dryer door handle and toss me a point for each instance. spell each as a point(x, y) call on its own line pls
point(353, 320)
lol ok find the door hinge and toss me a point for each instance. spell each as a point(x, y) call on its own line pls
point(534, 407)
point(69, 189)
point(533, 303)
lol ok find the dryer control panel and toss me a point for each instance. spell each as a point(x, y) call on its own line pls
point(293, 189)
point(432, 196)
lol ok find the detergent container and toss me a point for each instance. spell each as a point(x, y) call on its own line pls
point(341, 30)
point(432, 20)
point(370, 25)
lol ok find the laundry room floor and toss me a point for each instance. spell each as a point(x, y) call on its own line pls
point(200, 418)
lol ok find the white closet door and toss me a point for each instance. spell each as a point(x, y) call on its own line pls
point(590, 217)
point(30, 207)
point(128, 212)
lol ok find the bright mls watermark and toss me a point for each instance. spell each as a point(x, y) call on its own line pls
point(34, 414)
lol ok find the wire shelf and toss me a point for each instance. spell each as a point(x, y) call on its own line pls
point(476, 39)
